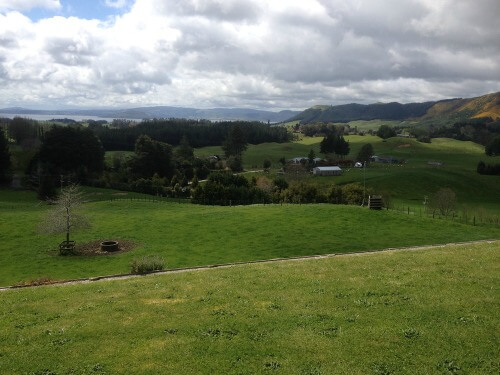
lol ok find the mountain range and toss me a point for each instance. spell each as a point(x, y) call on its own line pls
point(443, 110)
point(140, 113)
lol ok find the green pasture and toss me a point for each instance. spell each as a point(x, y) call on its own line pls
point(404, 312)
point(408, 183)
point(190, 235)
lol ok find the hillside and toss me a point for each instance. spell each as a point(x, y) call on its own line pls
point(451, 109)
point(431, 311)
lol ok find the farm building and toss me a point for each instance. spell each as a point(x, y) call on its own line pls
point(327, 171)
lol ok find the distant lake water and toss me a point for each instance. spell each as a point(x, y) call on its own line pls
point(50, 117)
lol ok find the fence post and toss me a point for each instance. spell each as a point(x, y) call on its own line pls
point(474, 221)
point(408, 210)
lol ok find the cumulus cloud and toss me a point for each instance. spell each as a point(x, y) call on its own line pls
point(251, 53)
point(23, 5)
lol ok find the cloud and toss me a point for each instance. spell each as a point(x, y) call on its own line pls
point(252, 53)
point(23, 5)
point(118, 4)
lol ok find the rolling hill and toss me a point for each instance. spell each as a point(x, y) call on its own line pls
point(449, 109)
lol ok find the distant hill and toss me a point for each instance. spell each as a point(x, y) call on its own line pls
point(452, 109)
point(140, 113)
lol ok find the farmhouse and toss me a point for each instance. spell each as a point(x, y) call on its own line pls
point(327, 171)
point(384, 159)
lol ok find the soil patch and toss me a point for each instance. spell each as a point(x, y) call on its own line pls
point(404, 145)
point(94, 248)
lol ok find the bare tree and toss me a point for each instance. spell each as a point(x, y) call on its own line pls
point(65, 216)
point(443, 201)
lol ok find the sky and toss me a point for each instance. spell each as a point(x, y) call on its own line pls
point(263, 54)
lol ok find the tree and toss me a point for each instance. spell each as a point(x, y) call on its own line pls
point(184, 151)
point(65, 217)
point(311, 156)
point(365, 153)
point(327, 145)
point(235, 163)
point(443, 201)
point(493, 148)
point(69, 150)
point(21, 129)
point(385, 132)
point(342, 147)
point(481, 167)
point(151, 157)
point(235, 143)
point(5, 163)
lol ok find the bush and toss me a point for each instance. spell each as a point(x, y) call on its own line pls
point(146, 264)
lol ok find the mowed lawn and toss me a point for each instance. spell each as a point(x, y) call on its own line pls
point(191, 235)
point(403, 312)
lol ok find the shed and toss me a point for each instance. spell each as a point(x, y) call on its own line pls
point(327, 171)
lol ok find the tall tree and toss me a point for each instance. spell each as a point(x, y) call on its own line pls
point(5, 163)
point(311, 157)
point(327, 145)
point(235, 143)
point(151, 157)
point(342, 147)
point(68, 150)
point(365, 153)
point(184, 151)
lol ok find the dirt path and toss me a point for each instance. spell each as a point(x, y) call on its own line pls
point(235, 264)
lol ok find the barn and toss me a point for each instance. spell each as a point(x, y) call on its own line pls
point(327, 171)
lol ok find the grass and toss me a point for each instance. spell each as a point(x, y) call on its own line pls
point(190, 235)
point(406, 312)
point(408, 184)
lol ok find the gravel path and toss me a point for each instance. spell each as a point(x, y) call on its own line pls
point(227, 265)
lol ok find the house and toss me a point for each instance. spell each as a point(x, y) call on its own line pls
point(384, 159)
point(327, 171)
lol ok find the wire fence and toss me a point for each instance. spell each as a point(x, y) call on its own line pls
point(464, 217)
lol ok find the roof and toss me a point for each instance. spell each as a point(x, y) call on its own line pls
point(328, 168)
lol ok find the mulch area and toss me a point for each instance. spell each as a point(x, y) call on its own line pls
point(94, 248)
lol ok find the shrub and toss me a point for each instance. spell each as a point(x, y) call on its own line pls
point(146, 264)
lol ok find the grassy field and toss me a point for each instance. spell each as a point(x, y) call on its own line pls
point(405, 312)
point(409, 183)
point(188, 235)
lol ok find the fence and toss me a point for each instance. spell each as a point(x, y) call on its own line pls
point(464, 217)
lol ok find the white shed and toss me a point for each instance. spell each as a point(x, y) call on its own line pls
point(327, 171)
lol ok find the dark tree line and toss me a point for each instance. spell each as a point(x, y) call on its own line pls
point(200, 133)
point(5, 162)
point(481, 130)
point(488, 169)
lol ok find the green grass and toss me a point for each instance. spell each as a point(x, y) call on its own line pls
point(409, 312)
point(409, 183)
point(189, 235)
